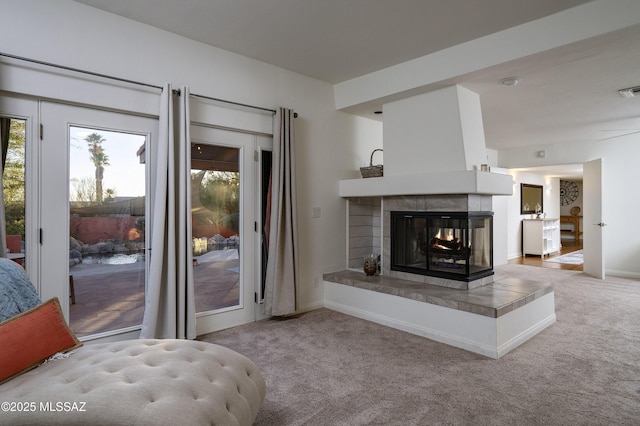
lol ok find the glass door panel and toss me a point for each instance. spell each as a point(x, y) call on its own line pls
point(107, 230)
point(13, 137)
point(223, 222)
point(215, 210)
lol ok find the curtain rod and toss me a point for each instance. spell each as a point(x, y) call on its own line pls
point(49, 64)
point(233, 103)
point(124, 80)
point(273, 111)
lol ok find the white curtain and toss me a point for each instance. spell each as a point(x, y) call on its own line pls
point(281, 282)
point(170, 305)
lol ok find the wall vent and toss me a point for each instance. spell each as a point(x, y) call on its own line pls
point(630, 92)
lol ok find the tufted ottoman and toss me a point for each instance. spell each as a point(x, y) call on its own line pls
point(138, 382)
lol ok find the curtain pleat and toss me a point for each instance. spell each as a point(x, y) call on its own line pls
point(169, 305)
point(281, 283)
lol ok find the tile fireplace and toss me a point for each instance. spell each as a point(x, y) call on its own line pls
point(453, 245)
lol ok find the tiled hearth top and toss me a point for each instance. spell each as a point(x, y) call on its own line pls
point(492, 300)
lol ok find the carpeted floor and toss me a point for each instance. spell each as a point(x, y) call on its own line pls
point(326, 368)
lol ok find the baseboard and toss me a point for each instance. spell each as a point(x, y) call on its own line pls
point(514, 256)
point(310, 306)
point(622, 274)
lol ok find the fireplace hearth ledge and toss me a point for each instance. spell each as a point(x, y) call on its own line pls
point(490, 320)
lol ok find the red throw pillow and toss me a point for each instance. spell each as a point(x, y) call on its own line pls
point(31, 337)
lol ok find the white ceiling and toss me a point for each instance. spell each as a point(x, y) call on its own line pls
point(566, 94)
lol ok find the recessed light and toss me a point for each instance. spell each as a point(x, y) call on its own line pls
point(511, 81)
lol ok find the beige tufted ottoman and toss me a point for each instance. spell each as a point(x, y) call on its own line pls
point(138, 382)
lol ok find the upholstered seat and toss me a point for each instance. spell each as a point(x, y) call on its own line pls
point(140, 382)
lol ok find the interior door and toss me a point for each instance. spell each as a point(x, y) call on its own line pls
point(223, 228)
point(593, 220)
point(92, 222)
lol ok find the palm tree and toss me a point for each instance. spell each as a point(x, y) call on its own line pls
point(99, 159)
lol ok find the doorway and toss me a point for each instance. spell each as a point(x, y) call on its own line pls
point(92, 237)
point(225, 226)
point(578, 190)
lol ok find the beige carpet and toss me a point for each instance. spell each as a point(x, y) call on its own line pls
point(326, 368)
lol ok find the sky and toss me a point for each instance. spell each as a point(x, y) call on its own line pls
point(124, 173)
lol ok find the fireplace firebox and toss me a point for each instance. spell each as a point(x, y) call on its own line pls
point(451, 245)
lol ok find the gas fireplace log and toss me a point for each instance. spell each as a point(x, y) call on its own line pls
point(453, 245)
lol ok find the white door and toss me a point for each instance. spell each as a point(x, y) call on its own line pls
point(224, 237)
point(92, 235)
point(593, 220)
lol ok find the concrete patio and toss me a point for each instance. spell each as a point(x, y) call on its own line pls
point(111, 297)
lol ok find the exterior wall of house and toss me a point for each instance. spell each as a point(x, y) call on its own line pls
point(330, 145)
point(92, 230)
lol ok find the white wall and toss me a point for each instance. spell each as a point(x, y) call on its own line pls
point(438, 131)
point(330, 145)
point(620, 201)
point(566, 210)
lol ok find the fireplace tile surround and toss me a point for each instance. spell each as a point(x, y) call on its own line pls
point(369, 229)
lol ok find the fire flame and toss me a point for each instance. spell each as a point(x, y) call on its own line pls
point(447, 237)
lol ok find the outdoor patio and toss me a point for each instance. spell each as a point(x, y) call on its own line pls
point(111, 297)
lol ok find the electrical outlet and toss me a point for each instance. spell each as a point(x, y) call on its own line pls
point(315, 212)
point(316, 282)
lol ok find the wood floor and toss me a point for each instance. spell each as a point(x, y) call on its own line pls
point(568, 245)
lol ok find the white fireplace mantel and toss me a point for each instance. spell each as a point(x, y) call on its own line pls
point(457, 182)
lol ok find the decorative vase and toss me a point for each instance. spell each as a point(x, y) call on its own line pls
point(370, 264)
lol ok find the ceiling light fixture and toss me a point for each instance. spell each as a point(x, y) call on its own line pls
point(511, 81)
point(629, 92)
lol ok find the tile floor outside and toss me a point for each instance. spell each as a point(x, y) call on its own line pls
point(111, 297)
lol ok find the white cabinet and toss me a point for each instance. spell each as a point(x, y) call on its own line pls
point(540, 236)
